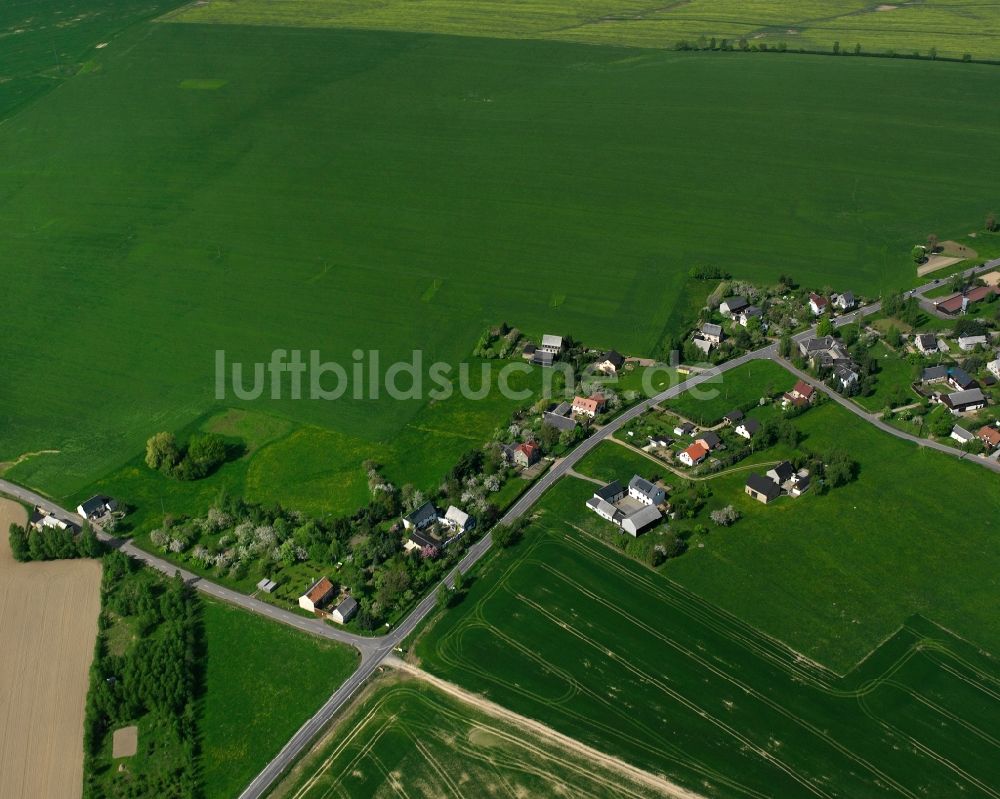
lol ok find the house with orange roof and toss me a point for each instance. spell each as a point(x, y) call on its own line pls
point(694, 454)
point(990, 436)
point(588, 406)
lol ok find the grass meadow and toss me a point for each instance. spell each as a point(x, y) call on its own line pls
point(741, 388)
point(397, 191)
point(426, 743)
point(951, 27)
point(262, 681)
point(761, 664)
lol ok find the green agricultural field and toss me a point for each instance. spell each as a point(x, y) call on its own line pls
point(44, 42)
point(949, 27)
point(251, 704)
point(395, 191)
point(782, 658)
point(743, 387)
point(425, 743)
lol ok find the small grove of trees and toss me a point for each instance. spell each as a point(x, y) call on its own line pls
point(506, 535)
point(204, 453)
point(155, 678)
point(992, 223)
point(27, 543)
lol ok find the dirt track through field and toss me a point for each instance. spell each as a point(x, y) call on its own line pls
point(633, 774)
point(48, 625)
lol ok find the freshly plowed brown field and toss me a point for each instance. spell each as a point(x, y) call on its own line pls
point(48, 625)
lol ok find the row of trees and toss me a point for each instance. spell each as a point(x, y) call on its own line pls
point(49, 543)
point(745, 45)
point(204, 453)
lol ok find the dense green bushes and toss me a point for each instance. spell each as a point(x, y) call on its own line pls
point(152, 682)
point(51, 543)
point(204, 453)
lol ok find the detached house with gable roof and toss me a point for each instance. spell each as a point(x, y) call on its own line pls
point(588, 406)
point(317, 595)
point(800, 395)
point(646, 492)
point(610, 362)
point(817, 304)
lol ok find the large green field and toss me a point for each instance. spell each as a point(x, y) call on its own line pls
point(798, 653)
point(252, 703)
point(951, 27)
point(421, 742)
point(397, 191)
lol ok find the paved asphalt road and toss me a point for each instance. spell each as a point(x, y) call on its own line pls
point(376, 649)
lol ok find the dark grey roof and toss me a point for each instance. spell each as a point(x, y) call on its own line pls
point(734, 415)
point(348, 606)
point(845, 373)
point(927, 340)
point(563, 409)
point(784, 471)
point(735, 303)
point(94, 504)
point(960, 432)
point(530, 348)
point(615, 357)
point(753, 310)
point(686, 427)
point(711, 330)
point(711, 438)
point(610, 492)
point(961, 377)
point(558, 422)
point(763, 485)
point(934, 373)
point(542, 358)
point(970, 397)
point(751, 425)
point(642, 484)
point(423, 516)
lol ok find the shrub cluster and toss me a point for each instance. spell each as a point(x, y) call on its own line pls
point(204, 453)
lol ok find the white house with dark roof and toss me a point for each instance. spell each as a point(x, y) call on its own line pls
point(926, 343)
point(711, 333)
point(610, 362)
point(845, 301)
point(610, 503)
point(345, 611)
point(732, 305)
point(962, 401)
point(646, 492)
point(748, 313)
point(748, 428)
point(97, 507)
point(421, 517)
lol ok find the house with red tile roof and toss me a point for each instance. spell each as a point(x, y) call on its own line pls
point(801, 394)
point(588, 406)
point(317, 595)
point(818, 304)
point(990, 436)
